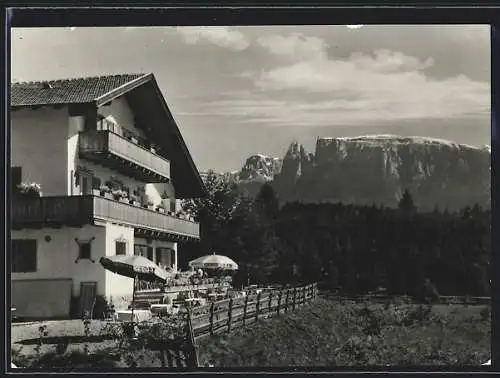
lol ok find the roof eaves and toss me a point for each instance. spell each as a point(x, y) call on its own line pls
point(181, 139)
point(121, 90)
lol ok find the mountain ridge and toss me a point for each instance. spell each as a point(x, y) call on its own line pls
point(374, 169)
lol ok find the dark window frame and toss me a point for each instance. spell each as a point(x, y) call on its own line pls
point(83, 253)
point(120, 243)
point(18, 258)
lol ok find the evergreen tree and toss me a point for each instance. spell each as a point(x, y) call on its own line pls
point(406, 203)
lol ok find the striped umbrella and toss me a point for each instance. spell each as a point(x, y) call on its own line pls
point(136, 267)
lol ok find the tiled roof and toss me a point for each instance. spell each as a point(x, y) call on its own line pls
point(68, 91)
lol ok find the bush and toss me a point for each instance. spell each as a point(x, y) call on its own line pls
point(485, 313)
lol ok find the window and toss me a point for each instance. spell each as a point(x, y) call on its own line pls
point(144, 251)
point(172, 205)
point(140, 250)
point(24, 255)
point(164, 256)
point(96, 182)
point(17, 176)
point(121, 248)
point(84, 252)
point(85, 183)
point(172, 257)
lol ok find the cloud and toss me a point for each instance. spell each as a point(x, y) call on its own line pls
point(363, 89)
point(295, 45)
point(222, 36)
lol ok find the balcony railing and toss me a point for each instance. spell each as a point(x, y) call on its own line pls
point(80, 210)
point(126, 156)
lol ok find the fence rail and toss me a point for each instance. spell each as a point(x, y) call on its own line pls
point(228, 314)
point(387, 298)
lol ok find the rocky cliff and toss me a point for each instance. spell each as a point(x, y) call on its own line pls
point(376, 169)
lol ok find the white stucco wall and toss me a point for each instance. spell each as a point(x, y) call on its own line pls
point(56, 259)
point(116, 285)
point(39, 146)
point(121, 112)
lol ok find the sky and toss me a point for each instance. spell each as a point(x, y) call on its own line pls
point(239, 91)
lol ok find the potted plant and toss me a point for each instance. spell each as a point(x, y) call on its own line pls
point(147, 203)
point(152, 148)
point(160, 208)
point(133, 200)
point(150, 204)
point(118, 194)
point(134, 139)
point(125, 197)
point(103, 189)
point(30, 190)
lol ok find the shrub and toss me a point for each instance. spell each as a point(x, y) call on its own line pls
point(485, 313)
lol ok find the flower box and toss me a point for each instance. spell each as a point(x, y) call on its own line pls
point(108, 195)
point(134, 202)
point(160, 209)
point(29, 190)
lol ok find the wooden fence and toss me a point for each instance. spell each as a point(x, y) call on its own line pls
point(223, 316)
point(383, 298)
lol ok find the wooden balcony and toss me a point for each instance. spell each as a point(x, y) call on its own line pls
point(76, 211)
point(120, 154)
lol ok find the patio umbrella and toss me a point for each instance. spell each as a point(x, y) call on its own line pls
point(214, 262)
point(136, 267)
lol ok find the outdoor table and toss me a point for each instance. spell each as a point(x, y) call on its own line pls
point(192, 301)
point(139, 315)
point(161, 308)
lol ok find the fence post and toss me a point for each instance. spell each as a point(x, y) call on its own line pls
point(245, 310)
point(294, 303)
point(270, 303)
point(194, 349)
point(257, 307)
point(230, 315)
point(286, 299)
point(212, 306)
point(279, 302)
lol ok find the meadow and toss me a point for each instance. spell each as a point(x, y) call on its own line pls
point(344, 333)
point(325, 333)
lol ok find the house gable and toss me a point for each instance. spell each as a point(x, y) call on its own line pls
point(86, 95)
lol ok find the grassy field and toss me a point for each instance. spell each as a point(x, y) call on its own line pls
point(332, 333)
point(324, 333)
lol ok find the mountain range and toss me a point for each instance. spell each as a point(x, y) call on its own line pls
point(374, 169)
